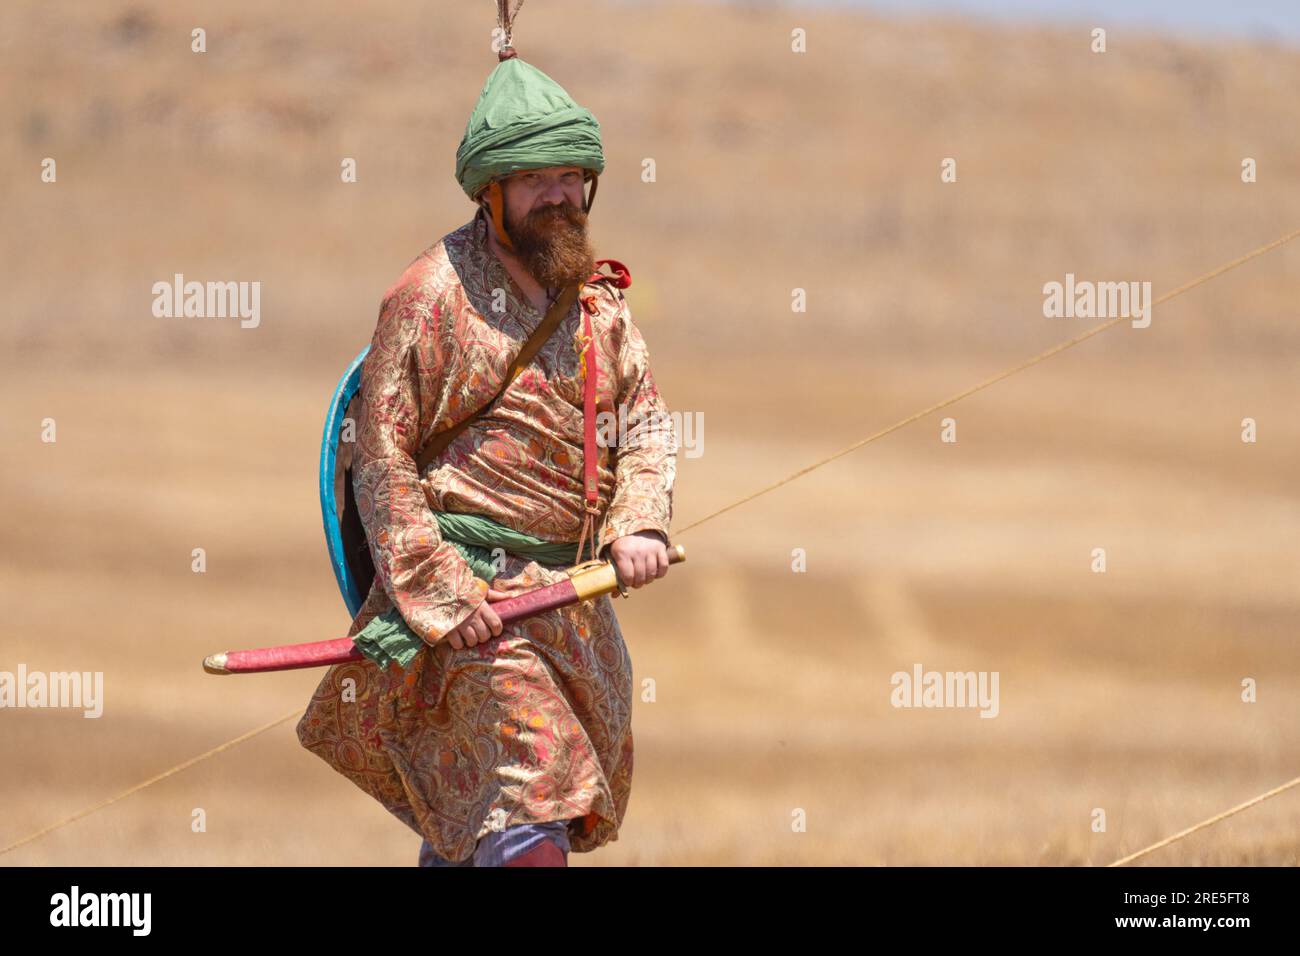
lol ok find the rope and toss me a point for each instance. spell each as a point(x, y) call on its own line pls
point(152, 780)
point(994, 379)
point(1205, 823)
point(880, 434)
point(506, 20)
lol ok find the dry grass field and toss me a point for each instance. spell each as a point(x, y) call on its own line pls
point(774, 171)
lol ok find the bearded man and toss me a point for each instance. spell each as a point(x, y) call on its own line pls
point(501, 745)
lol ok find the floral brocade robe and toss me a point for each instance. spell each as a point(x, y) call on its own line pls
point(535, 725)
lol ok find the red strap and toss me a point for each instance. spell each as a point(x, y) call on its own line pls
point(589, 414)
point(621, 279)
point(590, 479)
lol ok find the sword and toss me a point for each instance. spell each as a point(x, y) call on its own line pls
point(586, 581)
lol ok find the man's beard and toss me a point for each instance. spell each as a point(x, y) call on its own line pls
point(551, 242)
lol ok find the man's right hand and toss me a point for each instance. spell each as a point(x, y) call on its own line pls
point(481, 626)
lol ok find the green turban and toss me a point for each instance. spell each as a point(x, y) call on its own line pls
point(525, 120)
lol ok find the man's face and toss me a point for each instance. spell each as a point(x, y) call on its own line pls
point(546, 224)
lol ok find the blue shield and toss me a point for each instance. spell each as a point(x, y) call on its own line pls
point(344, 536)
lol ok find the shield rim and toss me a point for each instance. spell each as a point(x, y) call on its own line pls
point(346, 390)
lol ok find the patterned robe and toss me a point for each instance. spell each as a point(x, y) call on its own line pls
point(535, 725)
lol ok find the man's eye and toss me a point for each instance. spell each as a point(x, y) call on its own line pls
point(571, 178)
point(531, 178)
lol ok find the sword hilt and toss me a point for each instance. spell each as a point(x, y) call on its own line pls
point(591, 579)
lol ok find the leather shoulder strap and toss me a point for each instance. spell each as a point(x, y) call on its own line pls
point(554, 316)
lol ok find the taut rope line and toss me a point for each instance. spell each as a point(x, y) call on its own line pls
point(996, 378)
point(1199, 280)
point(162, 776)
point(1205, 823)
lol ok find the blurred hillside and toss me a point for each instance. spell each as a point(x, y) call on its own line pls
point(775, 170)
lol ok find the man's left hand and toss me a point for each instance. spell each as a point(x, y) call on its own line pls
point(640, 558)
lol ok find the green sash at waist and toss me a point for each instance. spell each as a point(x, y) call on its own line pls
point(476, 536)
point(387, 638)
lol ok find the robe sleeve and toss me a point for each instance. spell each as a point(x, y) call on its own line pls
point(425, 577)
point(645, 460)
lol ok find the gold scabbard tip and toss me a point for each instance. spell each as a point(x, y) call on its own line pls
point(680, 551)
point(215, 664)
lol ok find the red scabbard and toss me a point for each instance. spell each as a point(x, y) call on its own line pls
point(587, 581)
